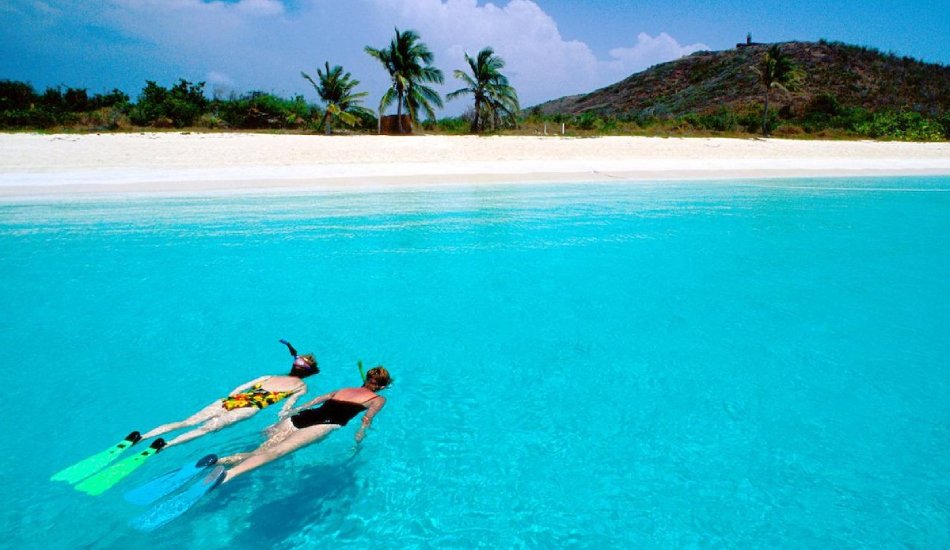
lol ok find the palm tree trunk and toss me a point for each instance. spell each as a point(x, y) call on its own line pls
point(327, 127)
point(399, 113)
point(478, 109)
point(765, 115)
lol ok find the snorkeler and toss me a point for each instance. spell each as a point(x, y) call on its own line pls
point(245, 400)
point(312, 425)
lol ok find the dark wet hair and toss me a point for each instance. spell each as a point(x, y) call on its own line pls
point(302, 372)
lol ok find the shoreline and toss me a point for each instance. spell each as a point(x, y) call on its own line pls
point(67, 165)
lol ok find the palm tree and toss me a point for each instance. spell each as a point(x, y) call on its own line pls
point(493, 95)
point(409, 64)
point(775, 71)
point(335, 88)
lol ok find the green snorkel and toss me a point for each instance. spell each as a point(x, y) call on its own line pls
point(359, 365)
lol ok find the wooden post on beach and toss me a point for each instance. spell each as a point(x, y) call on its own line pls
point(562, 128)
point(545, 128)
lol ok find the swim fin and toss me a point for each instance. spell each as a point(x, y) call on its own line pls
point(102, 481)
point(96, 462)
point(177, 505)
point(167, 483)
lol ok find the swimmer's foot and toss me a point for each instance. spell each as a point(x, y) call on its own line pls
point(233, 459)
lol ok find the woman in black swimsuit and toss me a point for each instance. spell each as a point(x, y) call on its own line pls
point(311, 425)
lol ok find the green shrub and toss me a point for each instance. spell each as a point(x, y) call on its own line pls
point(722, 120)
point(902, 125)
point(606, 125)
point(366, 119)
point(945, 123)
point(150, 106)
point(751, 122)
point(116, 98)
point(453, 125)
point(259, 110)
point(639, 118)
point(534, 115)
point(824, 104)
point(183, 104)
point(16, 96)
point(586, 121)
point(76, 100)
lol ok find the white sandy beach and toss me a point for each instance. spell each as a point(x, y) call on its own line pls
point(64, 165)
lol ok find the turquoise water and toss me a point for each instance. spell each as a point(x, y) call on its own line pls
point(750, 364)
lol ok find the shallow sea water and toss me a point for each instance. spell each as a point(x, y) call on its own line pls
point(738, 364)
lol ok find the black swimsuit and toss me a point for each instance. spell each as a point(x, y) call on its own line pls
point(330, 412)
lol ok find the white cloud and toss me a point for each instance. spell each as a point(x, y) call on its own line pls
point(219, 84)
point(649, 51)
point(541, 63)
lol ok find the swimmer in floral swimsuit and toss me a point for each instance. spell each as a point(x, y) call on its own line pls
point(245, 400)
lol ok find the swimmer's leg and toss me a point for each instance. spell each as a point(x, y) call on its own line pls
point(200, 416)
point(278, 432)
point(294, 441)
point(215, 423)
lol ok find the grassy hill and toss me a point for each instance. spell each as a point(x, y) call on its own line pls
point(838, 77)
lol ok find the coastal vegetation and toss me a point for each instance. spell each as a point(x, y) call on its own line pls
point(848, 92)
point(409, 64)
point(495, 99)
point(335, 88)
point(776, 70)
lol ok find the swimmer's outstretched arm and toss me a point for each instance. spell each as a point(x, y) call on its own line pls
point(374, 407)
point(315, 401)
point(289, 404)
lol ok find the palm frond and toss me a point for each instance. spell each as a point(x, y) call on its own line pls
point(408, 61)
point(388, 99)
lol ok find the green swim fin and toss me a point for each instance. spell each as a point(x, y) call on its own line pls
point(104, 480)
point(96, 462)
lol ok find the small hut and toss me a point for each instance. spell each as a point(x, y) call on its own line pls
point(389, 125)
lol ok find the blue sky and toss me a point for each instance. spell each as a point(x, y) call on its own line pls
point(552, 47)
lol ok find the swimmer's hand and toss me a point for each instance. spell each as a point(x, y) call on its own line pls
point(360, 434)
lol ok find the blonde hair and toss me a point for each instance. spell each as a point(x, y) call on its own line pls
point(379, 377)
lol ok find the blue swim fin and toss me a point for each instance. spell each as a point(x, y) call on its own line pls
point(167, 483)
point(171, 508)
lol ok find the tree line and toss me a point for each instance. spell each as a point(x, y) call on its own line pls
point(409, 63)
point(407, 60)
